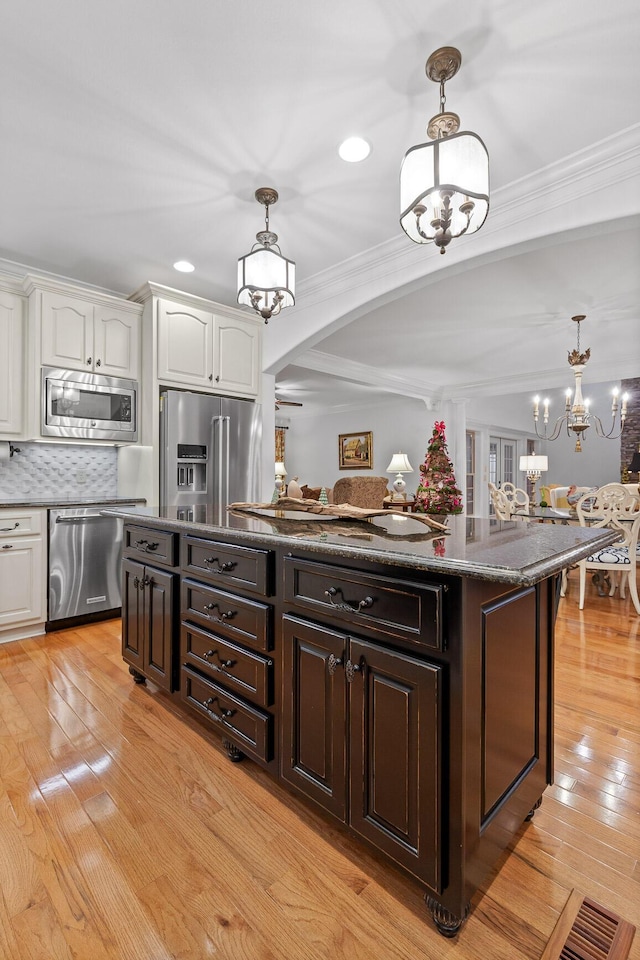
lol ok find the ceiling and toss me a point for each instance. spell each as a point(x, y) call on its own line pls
point(135, 134)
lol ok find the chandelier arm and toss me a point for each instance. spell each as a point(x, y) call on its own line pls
point(555, 432)
point(601, 431)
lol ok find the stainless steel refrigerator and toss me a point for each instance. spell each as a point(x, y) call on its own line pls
point(210, 450)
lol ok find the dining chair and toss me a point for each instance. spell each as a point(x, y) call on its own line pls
point(501, 506)
point(517, 497)
point(612, 506)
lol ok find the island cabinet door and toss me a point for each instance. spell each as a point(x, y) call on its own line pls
point(395, 756)
point(158, 588)
point(314, 713)
point(132, 613)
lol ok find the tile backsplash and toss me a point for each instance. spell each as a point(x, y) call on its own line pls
point(60, 469)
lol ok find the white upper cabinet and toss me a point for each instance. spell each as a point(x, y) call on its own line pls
point(12, 346)
point(236, 356)
point(77, 334)
point(116, 343)
point(184, 345)
point(214, 353)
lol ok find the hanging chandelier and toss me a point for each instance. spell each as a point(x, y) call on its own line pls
point(266, 279)
point(577, 417)
point(444, 185)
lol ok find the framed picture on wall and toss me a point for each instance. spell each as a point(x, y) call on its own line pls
point(355, 451)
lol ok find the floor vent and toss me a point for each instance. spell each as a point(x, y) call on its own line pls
point(588, 931)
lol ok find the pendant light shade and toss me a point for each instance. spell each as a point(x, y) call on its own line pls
point(444, 184)
point(266, 279)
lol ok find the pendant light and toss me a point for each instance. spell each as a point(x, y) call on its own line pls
point(266, 279)
point(444, 185)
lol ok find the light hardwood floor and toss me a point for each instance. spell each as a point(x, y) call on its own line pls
point(127, 833)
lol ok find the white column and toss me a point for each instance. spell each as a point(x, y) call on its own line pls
point(456, 434)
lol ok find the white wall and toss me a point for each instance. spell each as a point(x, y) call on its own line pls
point(403, 424)
point(398, 424)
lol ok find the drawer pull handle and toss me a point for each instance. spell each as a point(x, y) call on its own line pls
point(222, 567)
point(350, 669)
point(7, 546)
point(146, 546)
point(333, 663)
point(136, 582)
point(223, 616)
point(343, 605)
point(221, 717)
point(9, 529)
point(223, 665)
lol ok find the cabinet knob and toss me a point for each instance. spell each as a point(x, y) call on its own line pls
point(89, 361)
point(350, 669)
point(210, 376)
point(98, 363)
point(218, 379)
point(333, 663)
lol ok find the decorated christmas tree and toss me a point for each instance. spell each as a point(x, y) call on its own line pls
point(437, 492)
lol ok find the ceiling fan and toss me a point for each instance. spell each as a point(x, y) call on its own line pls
point(286, 403)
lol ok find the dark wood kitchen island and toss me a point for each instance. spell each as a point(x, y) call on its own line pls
point(399, 680)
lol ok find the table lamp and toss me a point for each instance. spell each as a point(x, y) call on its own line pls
point(280, 475)
point(399, 465)
point(534, 465)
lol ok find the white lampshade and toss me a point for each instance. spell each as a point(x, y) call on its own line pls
point(399, 464)
point(280, 470)
point(534, 464)
point(457, 164)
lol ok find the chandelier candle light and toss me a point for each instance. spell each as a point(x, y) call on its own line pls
point(577, 416)
point(534, 466)
point(399, 465)
point(444, 185)
point(266, 279)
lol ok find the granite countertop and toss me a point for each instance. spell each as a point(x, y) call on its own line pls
point(514, 552)
point(22, 501)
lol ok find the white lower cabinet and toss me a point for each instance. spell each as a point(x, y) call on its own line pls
point(23, 573)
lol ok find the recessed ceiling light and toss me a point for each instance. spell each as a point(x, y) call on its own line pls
point(183, 266)
point(354, 149)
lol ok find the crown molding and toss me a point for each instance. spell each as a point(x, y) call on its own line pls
point(369, 376)
point(525, 211)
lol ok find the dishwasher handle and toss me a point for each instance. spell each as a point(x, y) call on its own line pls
point(91, 517)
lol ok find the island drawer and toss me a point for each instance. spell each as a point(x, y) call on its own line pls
point(244, 621)
point(379, 605)
point(242, 671)
point(149, 545)
point(250, 728)
point(242, 567)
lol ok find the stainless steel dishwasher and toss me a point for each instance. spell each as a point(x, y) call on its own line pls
point(85, 549)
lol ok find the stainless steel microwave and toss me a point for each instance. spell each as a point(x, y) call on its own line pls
point(88, 406)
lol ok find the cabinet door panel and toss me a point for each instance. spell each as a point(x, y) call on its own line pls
point(132, 614)
point(159, 622)
point(11, 363)
point(236, 351)
point(117, 350)
point(21, 581)
point(314, 713)
point(395, 763)
point(184, 345)
point(67, 332)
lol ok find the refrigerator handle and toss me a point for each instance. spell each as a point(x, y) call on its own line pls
point(216, 426)
point(227, 453)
